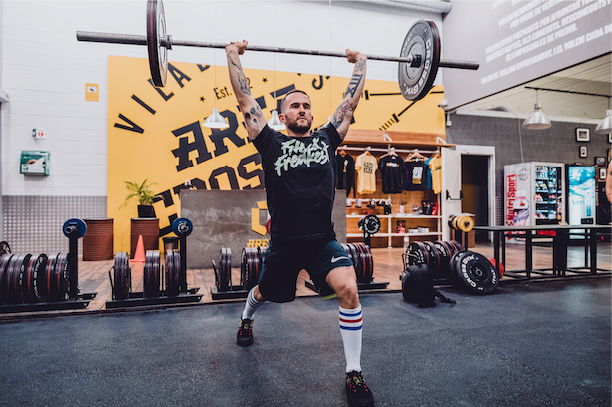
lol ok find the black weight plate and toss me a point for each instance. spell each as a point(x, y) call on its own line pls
point(182, 227)
point(434, 259)
point(476, 272)
point(48, 277)
point(249, 267)
point(354, 255)
point(15, 278)
point(368, 262)
point(60, 282)
point(152, 274)
point(444, 249)
point(4, 261)
point(457, 246)
point(9, 279)
point(33, 275)
point(122, 276)
point(422, 39)
point(416, 253)
point(74, 224)
point(371, 224)
point(361, 277)
point(158, 54)
point(225, 270)
point(4, 247)
point(173, 265)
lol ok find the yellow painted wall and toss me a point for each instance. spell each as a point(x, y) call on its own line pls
point(157, 134)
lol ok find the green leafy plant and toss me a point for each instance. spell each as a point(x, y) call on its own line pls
point(142, 191)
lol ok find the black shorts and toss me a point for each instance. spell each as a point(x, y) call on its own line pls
point(284, 261)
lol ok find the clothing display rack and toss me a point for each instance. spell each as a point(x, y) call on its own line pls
point(386, 150)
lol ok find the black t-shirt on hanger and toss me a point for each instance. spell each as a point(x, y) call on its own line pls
point(416, 177)
point(345, 173)
point(392, 171)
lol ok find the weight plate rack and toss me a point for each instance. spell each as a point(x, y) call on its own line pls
point(251, 264)
point(154, 292)
point(363, 264)
point(449, 262)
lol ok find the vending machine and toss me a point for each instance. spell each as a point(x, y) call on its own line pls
point(581, 193)
point(534, 194)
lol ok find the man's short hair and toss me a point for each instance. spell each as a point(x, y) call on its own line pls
point(289, 93)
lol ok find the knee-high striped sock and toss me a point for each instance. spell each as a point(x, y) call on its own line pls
point(251, 305)
point(350, 329)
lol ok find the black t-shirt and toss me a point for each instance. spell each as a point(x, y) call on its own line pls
point(392, 170)
point(345, 173)
point(416, 176)
point(299, 175)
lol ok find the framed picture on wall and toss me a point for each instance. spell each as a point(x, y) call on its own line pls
point(609, 154)
point(600, 161)
point(610, 138)
point(582, 135)
point(583, 151)
point(603, 172)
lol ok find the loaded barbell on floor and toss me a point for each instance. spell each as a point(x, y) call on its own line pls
point(419, 58)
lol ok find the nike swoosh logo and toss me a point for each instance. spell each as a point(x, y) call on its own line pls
point(335, 259)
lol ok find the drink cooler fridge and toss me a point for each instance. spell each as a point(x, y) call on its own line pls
point(581, 193)
point(533, 194)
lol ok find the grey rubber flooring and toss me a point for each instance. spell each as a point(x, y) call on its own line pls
point(542, 344)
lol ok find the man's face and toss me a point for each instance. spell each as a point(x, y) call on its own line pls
point(296, 114)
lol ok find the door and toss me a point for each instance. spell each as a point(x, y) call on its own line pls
point(451, 187)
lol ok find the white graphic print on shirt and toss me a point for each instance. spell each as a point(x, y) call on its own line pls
point(295, 153)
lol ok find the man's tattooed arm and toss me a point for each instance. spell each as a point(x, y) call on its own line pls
point(341, 119)
point(253, 116)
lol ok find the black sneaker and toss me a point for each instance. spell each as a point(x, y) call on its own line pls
point(245, 332)
point(357, 392)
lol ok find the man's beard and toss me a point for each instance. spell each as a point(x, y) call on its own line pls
point(298, 128)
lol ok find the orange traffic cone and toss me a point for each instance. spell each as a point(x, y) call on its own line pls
point(139, 257)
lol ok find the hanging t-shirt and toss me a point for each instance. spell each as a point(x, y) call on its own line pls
point(415, 174)
point(392, 172)
point(428, 171)
point(365, 165)
point(435, 165)
point(345, 173)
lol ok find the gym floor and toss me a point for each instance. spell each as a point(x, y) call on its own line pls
point(538, 344)
point(544, 343)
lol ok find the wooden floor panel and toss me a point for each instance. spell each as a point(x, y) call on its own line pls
point(388, 265)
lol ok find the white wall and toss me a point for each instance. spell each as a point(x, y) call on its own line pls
point(44, 68)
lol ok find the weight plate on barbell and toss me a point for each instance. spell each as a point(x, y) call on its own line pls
point(156, 30)
point(151, 277)
point(422, 39)
point(475, 272)
point(74, 225)
point(182, 227)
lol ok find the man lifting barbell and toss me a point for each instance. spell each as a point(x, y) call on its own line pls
point(300, 191)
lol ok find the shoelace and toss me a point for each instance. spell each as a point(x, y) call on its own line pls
point(244, 325)
point(356, 380)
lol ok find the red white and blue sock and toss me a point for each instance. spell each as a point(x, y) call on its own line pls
point(351, 323)
point(251, 305)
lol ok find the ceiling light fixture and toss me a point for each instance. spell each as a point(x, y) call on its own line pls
point(537, 120)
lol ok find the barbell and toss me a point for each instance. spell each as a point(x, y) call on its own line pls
point(419, 58)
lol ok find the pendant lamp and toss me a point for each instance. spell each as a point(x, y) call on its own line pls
point(537, 120)
point(215, 120)
point(605, 127)
point(275, 122)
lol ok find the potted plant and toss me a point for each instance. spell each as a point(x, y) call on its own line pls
point(146, 197)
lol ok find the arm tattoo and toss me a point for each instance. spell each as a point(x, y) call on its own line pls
point(342, 112)
point(242, 80)
point(255, 119)
point(355, 79)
